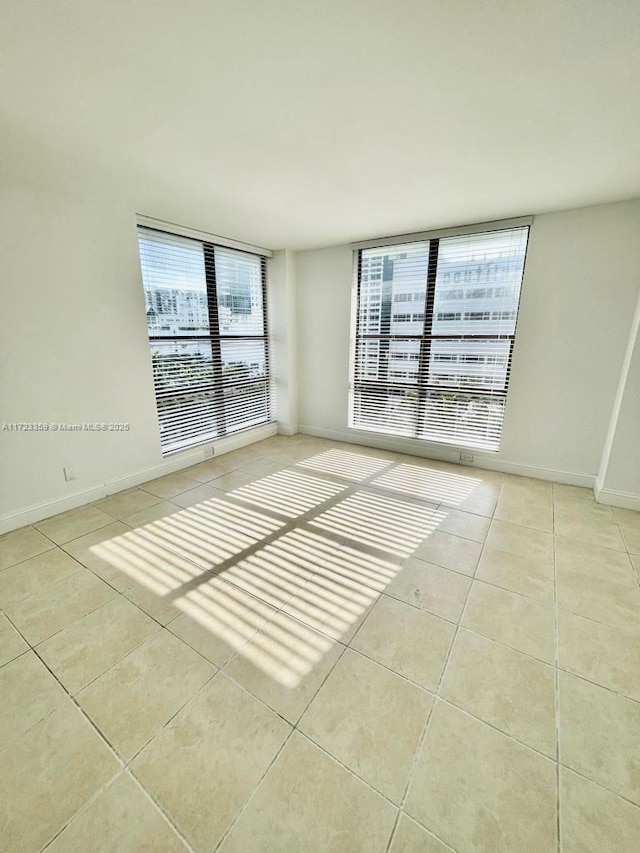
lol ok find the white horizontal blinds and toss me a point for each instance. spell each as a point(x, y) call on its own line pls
point(446, 378)
point(207, 333)
point(392, 290)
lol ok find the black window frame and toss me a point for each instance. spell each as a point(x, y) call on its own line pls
point(424, 387)
point(218, 385)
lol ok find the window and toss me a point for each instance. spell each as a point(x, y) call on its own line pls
point(457, 392)
point(207, 333)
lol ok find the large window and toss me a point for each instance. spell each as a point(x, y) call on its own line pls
point(435, 324)
point(206, 309)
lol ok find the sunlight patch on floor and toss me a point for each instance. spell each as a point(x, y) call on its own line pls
point(380, 521)
point(429, 484)
point(212, 563)
point(351, 466)
point(289, 493)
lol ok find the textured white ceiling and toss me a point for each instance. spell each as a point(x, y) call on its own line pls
point(301, 124)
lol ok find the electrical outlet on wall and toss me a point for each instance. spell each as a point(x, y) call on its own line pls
point(208, 452)
point(466, 457)
point(69, 473)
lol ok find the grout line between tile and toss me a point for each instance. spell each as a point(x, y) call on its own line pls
point(556, 675)
point(253, 793)
point(420, 747)
point(123, 764)
point(293, 524)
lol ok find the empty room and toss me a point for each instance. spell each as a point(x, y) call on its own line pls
point(320, 426)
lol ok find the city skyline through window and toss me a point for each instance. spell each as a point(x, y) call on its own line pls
point(205, 309)
point(435, 325)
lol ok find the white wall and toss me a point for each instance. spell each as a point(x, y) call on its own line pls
point(618, 480)
point(282, 342)
point(74, 349)
point(623, 474)
point(578, 296)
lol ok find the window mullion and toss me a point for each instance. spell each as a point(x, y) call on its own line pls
point(425, 342)
point(214, 332)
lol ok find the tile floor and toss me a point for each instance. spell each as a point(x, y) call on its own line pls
point(310, 646)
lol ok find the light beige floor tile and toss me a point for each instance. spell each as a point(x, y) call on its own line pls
point(411, 838)
point(100, 552)
point(407, 640)
point(635, 562)
point(631, 536)
point(289, 492)
point(583, 510)
point(169, 485)
point(480, 791)
point(34, 575)
point(277, 571)
point(19, 545)
point(512, 620)
point(600, 653)
point(11, 643)
point(565, 495)
point(600, 735)
point(209, 534)
point(336, 814)
point(332, 603)
point(247, 454)
point(593, 820)
point(379, 520)
point(345, 584)
point(430, 588)
point(284, 664)
point(122, 818)
point(596, 530)
point(221, 620)
point(159, 607)
point(48, 775)
point(503, 687)
point(581, 557)
point(465, 524)
point(629, 518)
point(28, 693)
point(41, 615)
point(146, 561)
point(70, 525)
point(520, 559)
point(346, 464)
point(438, 483)
point(450, 552)
point(604, 601)
point(205, 471)
point(134, 699)
point(370, 720)
point(193, 497)
point(481, 502)
point(126, 503)
point(531, 486)
point(529, 504)
point(231, 480)
point(261, 467)
point(208, 760)
point(93, 644)
point(155, 512)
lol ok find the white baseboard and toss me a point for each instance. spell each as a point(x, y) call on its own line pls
point(38, 512)
point(612, 497)
point(443, 454)
point(287, 429)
